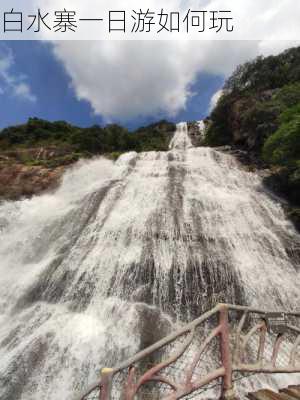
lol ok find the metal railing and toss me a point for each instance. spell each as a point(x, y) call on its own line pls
point(246, 340)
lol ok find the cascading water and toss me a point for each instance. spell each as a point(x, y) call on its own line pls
point(88, 271)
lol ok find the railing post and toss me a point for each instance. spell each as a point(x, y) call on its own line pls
point(106, 381)
point(228, 392)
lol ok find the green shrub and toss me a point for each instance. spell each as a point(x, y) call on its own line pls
point(93, 140)
point(289, 95)
point(283, 147)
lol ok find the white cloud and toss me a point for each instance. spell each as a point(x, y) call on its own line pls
point(214, 100)
point(11, 82)
point(23, 90)
point(126, 79)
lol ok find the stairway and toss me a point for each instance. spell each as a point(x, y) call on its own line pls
point(290, 393)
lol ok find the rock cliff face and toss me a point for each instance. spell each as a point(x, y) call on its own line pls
point(197, 131)
point(246, 122)
point(28, 172)
point(18, 180)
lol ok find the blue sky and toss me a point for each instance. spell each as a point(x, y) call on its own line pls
point(50, 93)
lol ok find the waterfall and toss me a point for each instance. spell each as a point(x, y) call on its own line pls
point(123, 252)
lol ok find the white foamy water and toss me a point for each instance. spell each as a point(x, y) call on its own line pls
point(181, 139)
point(88, 271)
point(202, 129)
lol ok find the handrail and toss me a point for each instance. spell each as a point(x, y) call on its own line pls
point(229, 363)
point(254, 310)
point(149, 350)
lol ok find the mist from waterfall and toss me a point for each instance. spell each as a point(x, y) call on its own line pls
point(123, 252)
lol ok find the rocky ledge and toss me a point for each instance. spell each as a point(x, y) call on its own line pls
point(28, 172)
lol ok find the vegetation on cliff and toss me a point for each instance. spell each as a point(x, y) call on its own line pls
point(33, 156)
point(259, 111)
point(89, 141)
